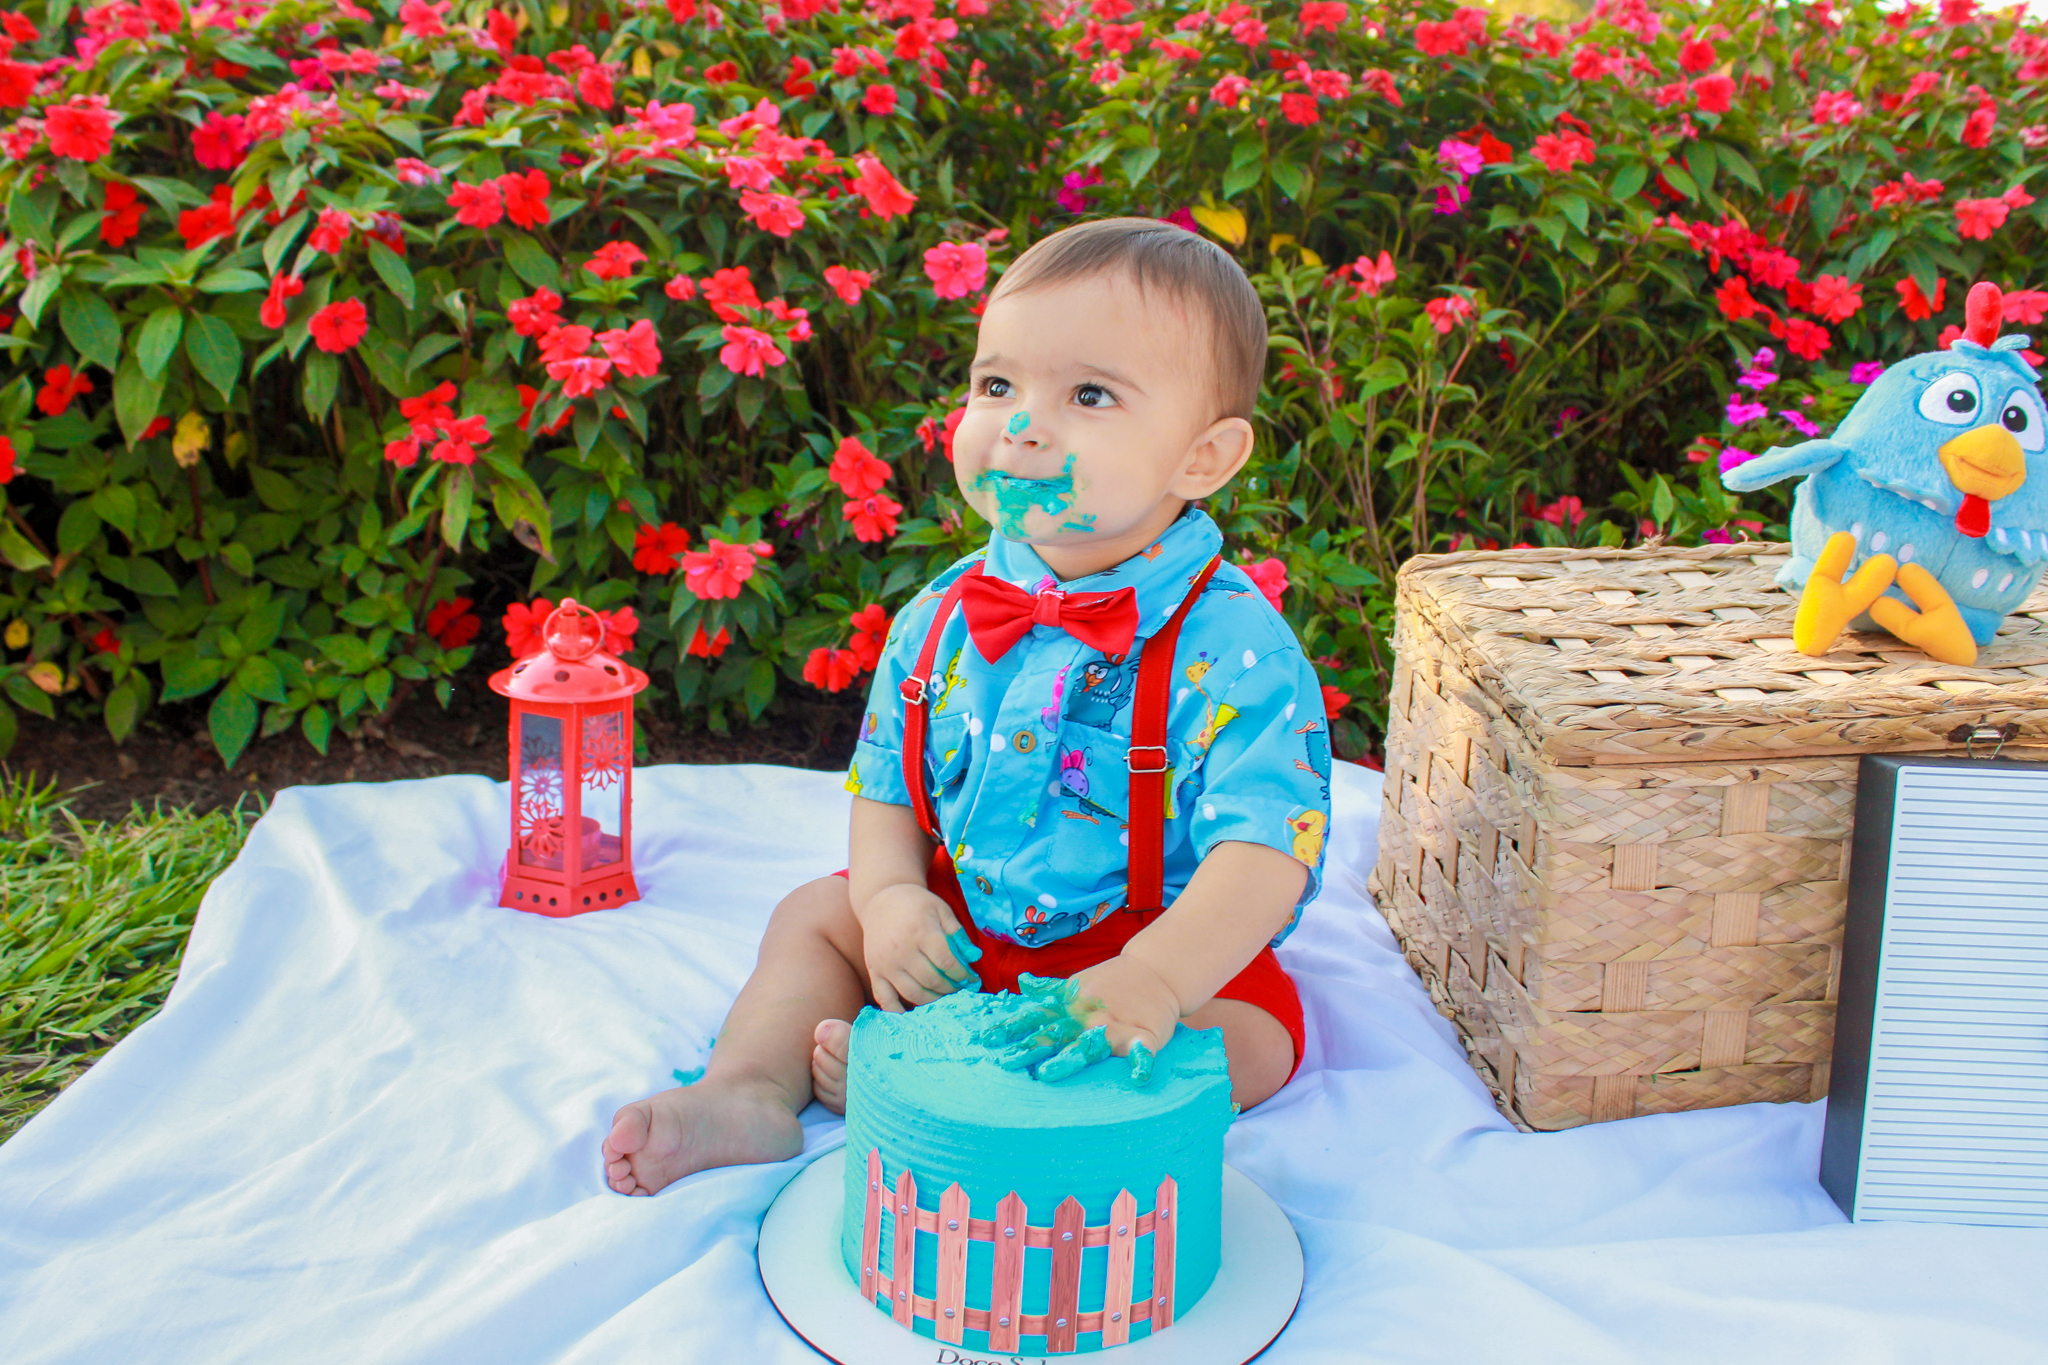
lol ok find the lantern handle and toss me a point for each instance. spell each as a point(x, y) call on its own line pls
point(572, 631)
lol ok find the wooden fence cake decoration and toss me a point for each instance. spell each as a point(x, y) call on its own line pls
point(1010, 1234)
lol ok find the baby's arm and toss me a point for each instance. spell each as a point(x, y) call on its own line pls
point(1240, 896)
point(912, 943)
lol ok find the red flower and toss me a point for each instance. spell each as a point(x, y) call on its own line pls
point(1805, 339)
point(331, 233)
point(832, 669)
point(1977, 127)
point(528, 396)
point(1381, 83)
point(526, 198)
point(1333, 700)
point(870, 631)
point(1329, 14)
point(60, 386)
point(7, 468)
point(719, 570)
point(1448, 313)
point(17, 83)
point(80, 128)
point(594, 84)
point(1714, 94)
point(422, 20)
point(565, 343)
point(956, 269)
point(682, 288)
point(620, 625)
point(952, 425)
point(615, 260)
point(1440, 40)
point(847, 284)
point(1564, 512)
point(1230, 89)
point(123, 217)
point(636, 350)
point(776, 213)
point(522, 626)
point(797, 84)
point(749, 351)
point(722, 73)
point(879, 99)
point(536, 315)
point(873, 517)
point(453, 624)
point(476, 206)
point(580, 375)
point(1917, 305)
point(1774, 269)
point(427, 411)
point(1977, 219)
point(339, 326)
point(885, 194)
point(728, 291)
point(709, 647)
point(222, 142)
point(157, 427)
point(655, 547)
point(1561, 151)
point(1696, 56)
point(856, 470)
point(403, 452)
point(1269, 576)
point(1735, 301)
point(282, 289)
point(1589, 63)
point(1296, 107)
point(1835, 299)
point(459, 439)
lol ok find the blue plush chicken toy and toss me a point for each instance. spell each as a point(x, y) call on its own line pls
point(1918, 513)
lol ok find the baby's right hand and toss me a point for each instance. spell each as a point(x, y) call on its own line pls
point(914, 947)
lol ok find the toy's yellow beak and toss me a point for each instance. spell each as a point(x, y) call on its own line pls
point(1986, 461)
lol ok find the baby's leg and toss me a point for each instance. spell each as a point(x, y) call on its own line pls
point(758, 1078)
point(1261, 1052)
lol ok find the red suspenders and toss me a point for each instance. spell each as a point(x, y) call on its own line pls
point(1147, 760)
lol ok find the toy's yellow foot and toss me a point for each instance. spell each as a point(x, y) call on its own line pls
point(1937, 628)
point(1828, 604)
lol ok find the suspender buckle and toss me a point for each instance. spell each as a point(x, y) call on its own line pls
point(912, 690)
point(1131, 759)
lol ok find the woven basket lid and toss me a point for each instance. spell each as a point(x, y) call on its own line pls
point(1685, 655)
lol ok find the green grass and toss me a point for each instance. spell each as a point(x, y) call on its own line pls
point(93, 919)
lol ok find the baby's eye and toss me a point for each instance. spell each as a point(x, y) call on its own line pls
point(1094, 396)
point(994, 387)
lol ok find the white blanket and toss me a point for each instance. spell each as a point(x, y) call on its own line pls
point(365, 1130)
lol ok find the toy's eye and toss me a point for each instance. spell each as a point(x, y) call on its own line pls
point(1953, 400)
point(2023, 417)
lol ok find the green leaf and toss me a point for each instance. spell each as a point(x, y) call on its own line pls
point(188, 676)
point(260, 679)
point(1699, 159)
point(392, 269)
point(1825, 204)
point(136, 398)
point(158, 340)
point(215, 351)
point(16, 550)
point(1291, 178)
point(147, 578)
point(1238, 179)
point(1680, 181)
point(115, 504)
point(37, 296)
point(1629, 180)
point(427, 348)
point(458, 492)
point(281, 238)
point(351, 652)
point(377, 688)
point(27, 694)
point(232, 282)
point(760, 688)
point(1137, 162)
point(321, 379)
point(124, 707)
point(318, 726)
point(232, 721)
point(277, 492)
point(405, 131)
point(89, 323)
point(77, 527)
point(170, 195)
point(1662, 502)
point(33, 214)
point(531, 262)
point(1574, 207)
point(1738, 166)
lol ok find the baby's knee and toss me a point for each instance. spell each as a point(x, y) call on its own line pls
point(818, 909)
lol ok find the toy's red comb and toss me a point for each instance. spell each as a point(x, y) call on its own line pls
point(1983, 313)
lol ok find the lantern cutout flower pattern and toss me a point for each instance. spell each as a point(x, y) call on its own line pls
point(572, 770)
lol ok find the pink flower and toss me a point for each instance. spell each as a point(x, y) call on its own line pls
point(331, 232)
point(885, 195)
point(1447, 313)
point(1560, 152)
point(1270, 577)
point(956, 269)
point(459, 439)
point(847, 284)
point(1459, 158)
point(422, 20)
point(413, 171)
point(776, 213)
point(1977, 219)
point(636, 350)
point(1836, 106)
point(615, 260)
point(1741, 413)
point(682, 288)
point(718, 570)
point(873, 517)
point(748, 351)
point(1073, 193)
point(1865, 371)
point(580, 375)
point(1714, 94)
point(1227, 91)
point(856, 469)
point(220, 143)
point(1373, 275)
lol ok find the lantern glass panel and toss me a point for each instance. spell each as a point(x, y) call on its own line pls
point(605, 759)
point(540, 790)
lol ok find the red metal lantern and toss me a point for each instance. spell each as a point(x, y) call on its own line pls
point(572, 770)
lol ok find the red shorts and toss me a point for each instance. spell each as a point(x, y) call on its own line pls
point(1263, 982)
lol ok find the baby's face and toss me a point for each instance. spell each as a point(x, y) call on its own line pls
point(1089, 403)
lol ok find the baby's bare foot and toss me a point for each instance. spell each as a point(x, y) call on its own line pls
point(712, 1123)
point(828, 1064)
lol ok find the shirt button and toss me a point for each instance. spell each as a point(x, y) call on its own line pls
point(1025, 741)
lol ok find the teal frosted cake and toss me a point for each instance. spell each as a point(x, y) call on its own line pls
point(1050, 1217)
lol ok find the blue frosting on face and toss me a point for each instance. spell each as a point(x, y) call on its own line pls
point(921, 1092)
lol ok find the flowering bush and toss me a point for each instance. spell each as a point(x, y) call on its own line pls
point(337, 337)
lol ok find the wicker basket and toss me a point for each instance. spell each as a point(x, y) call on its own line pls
point(1618, 807)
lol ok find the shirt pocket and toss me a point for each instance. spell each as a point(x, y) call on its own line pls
point(947, 748)
point(1087, 796)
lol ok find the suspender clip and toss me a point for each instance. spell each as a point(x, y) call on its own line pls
point(1131, 759)
point(912, 690)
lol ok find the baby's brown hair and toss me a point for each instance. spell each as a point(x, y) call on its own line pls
point(1188, 266)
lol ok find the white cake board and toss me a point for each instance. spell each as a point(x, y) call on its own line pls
point(1257, 1285)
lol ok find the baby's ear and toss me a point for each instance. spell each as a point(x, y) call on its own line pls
point(1218, 452)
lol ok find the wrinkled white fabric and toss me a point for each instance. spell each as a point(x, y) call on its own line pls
point(365, 1130)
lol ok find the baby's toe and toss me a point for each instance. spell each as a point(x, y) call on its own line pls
point(834, 1036)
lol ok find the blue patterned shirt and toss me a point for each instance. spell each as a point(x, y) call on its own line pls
point(1024, 757)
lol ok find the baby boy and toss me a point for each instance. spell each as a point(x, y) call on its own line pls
point(1093, 751)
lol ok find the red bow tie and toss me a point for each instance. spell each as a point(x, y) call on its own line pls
point(999, 614)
